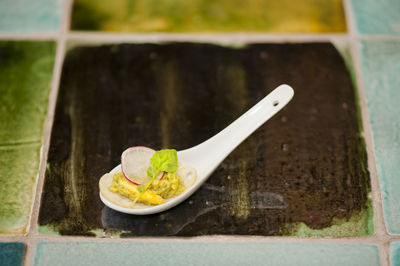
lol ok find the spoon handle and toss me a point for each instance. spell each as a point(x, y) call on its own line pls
point(209, 154)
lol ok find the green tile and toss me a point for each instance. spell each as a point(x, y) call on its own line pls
point(377, 17)
point(209, 16)
point(217, 253)
point(25, 76)
point(26, 16)
point(381, 68)
point(18, 171)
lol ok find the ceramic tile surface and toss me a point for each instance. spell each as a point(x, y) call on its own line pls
point(171, 74)
point(25, 16)
point(25, 75)
point(302, 173)
point(219, 253)
point(19, 166)
point(395, 253)
point(377, 17)
point(11, 254)
point(381, 66)
point(209, 16)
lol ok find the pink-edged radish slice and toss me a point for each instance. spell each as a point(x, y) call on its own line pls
point(134, 164)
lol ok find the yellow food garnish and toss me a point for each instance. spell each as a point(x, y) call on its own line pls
point(168, 187)
point(125, 188)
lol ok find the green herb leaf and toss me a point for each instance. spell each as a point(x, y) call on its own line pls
point(152, 171)
point(162, 161)
point(165, 161)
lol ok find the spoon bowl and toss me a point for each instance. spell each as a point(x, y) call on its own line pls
point(206, 156)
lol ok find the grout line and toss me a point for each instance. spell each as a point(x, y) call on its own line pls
point(48, 126)
point(367, 132)
point(61, 40)
point(196, 37)
point(206, 238)
point(95, 37)
point(20, 143)
point(385, 252)
point(332, 239)
point(29, 36)
point(30, 249)
point(381, 242)
point(378, 216)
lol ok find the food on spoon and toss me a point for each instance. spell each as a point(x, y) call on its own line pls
point(134, 163)
point(117, 189)
point(147, 177)
point(170, 186)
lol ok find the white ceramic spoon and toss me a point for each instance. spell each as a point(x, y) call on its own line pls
point(206, 156)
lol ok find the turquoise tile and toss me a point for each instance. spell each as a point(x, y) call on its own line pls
point(26, 16)
point(395, 253)
point(381, 68)
point(377, 17)
point(12, 253)
point(217, 253)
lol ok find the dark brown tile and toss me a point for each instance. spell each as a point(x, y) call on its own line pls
point(306, 166)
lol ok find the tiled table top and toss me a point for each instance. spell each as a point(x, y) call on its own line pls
point(316, 185)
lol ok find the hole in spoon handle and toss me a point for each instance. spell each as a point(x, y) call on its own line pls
point(219, 146)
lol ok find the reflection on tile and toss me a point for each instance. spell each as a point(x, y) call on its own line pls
point(209, 16)
point(11, 254)
point(377, 17)
point(25, 74)
point(381, 68)
point(304, 172)
point(191, 253)
point(25, 16)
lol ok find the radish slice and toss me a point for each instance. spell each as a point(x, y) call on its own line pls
point(134, 163)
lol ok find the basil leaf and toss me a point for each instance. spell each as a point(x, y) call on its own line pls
point(152, 171)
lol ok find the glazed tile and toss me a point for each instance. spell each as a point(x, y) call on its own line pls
point(25, 73)
point(377, 17)
point(25, 16)
point(302, 173)
point(19, 167)
point(217, 253)
point(209, 16)
point(12, 253)
point(395, 253)
point(381, 67)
